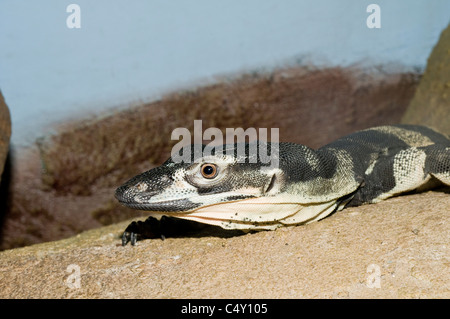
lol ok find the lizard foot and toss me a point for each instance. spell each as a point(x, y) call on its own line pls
point(150, 228)
point(162, 228)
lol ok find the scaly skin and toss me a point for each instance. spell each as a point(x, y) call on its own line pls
point(236, 191)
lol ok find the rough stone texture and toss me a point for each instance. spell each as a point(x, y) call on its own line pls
point(67, 184)
point(431, 103)
point(401, 243)
point(5, 132)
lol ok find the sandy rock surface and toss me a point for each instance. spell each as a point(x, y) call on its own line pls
point(399, 248)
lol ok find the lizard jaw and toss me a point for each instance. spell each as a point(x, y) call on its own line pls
point(143, 201)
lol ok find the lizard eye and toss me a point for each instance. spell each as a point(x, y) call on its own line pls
point(209, 171)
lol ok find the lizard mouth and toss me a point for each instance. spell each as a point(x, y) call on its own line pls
point(178, 205)
point(143, 201)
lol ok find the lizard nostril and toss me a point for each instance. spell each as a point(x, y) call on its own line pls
point(141, 186)
point(165, 179)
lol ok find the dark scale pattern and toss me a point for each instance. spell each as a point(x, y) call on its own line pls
point(365, 146)
point(305, 164)
point(434, 136)
point(438, 159)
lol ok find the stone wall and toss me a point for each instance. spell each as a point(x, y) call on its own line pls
point(431, 103)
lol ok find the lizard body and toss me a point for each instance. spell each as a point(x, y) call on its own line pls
point(237, 193)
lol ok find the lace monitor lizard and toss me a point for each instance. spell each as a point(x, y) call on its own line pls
point(221, 189)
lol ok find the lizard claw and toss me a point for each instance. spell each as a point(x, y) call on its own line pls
point(125, 238)
point(141, 229)
point(129, 237)
point(131, 233)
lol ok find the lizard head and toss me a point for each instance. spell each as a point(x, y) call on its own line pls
point(220, 188)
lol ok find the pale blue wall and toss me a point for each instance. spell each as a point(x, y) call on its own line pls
point(128, 51)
